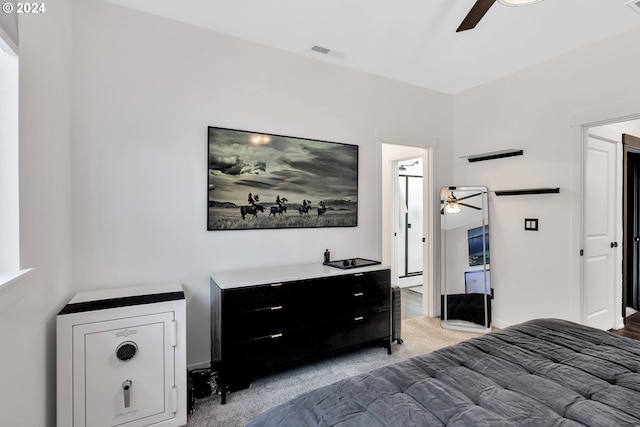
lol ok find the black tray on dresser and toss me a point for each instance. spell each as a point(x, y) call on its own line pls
point(345, 264)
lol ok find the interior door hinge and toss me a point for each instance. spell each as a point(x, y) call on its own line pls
point(581, 252)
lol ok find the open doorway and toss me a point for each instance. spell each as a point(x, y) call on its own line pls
point(632, 210)
point(408, 234)
point(406, 219)
point(408, 199)
point(626, 213)
point(631, 228)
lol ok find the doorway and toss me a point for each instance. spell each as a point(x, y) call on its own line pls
point(631, 229)
point(408, 242)
point(407, 225)
point(622, 208)
point(408, 199)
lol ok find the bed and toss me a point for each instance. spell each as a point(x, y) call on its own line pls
point(544, 372)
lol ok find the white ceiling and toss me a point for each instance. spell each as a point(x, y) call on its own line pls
point(412, 41)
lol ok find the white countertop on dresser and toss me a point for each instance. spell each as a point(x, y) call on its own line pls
point(283, 273)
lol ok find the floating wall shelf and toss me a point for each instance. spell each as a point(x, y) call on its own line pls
point(527, 191)
point(511, 152)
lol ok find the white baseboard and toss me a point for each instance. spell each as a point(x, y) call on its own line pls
point(497, 323)
point(407, 282)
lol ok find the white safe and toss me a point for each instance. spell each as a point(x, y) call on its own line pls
point(121, 358)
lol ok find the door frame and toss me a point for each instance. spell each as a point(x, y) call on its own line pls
point(630, 144)
point(580, 122)
point(431, 298)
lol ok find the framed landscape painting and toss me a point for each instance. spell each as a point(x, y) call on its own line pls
point(264, 181)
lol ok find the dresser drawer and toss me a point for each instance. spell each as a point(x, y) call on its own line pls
point(363, 290)
point(367, 297)
point(357, 328)
point(266, 352)
point(255, 297)
point(249, 325)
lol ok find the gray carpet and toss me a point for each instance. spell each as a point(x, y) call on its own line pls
point(420, 334)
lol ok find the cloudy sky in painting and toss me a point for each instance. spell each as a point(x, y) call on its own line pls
point(268, 165)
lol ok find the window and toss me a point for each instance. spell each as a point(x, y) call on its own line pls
point(9, 202)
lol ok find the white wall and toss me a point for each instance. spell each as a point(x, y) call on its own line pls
point(614, 131)
point(145, 90)
point(29, 307)
point(536, 274)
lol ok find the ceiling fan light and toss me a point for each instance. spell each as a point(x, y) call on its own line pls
point(452, 208)
point(517, 2)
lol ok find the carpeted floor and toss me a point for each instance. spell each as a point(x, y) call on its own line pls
point(420, 334)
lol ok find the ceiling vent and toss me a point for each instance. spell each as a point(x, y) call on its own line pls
point(634, 4)
point(333, 52)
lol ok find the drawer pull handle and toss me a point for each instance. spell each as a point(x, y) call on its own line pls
point(358, 274)
point(273, 285)
point(274, 336)
point(278, 307)
point(358, 294)
point(359, 318)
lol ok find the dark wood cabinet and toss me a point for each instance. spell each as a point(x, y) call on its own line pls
point(267, 319)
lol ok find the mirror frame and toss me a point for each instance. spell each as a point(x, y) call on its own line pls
point(461, 208)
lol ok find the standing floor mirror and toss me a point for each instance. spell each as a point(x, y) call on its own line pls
point(465, 272)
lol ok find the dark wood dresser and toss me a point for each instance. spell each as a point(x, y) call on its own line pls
point(269, 318)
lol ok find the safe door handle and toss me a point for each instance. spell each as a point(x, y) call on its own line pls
point(126, 391)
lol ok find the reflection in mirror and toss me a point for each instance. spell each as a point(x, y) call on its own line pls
point(465, 272)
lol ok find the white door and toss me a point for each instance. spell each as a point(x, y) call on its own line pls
point(600, 221)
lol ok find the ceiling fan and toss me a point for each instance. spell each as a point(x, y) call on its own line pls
point(482, 6)
point(452, 203)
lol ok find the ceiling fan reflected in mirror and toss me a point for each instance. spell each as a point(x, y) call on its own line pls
point(452, 204)
point(481, 7)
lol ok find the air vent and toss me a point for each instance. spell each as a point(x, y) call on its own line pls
point(635, 5)
point(320, 49)
point(331, 52)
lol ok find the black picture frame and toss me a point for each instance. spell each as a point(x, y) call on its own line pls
point(259, 180)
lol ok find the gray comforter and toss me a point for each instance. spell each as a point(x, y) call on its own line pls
point(545, 372)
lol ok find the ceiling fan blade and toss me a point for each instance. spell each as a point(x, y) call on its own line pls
point(468, 197)
point(470, 206)
point(475, 14)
